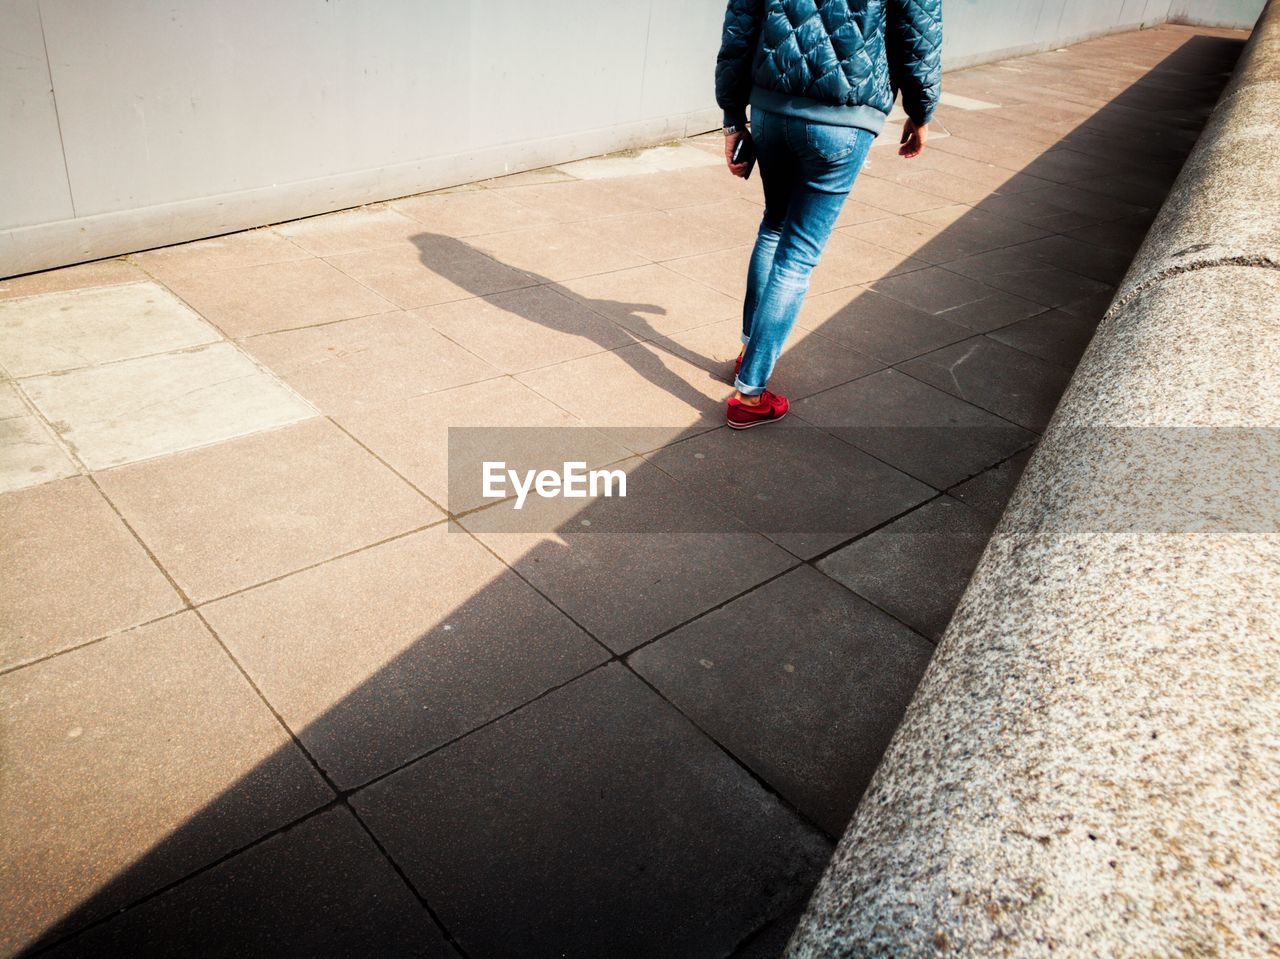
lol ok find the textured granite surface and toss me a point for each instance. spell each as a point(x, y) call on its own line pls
point(1091, 765)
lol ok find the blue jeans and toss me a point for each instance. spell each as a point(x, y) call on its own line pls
point(807, 169)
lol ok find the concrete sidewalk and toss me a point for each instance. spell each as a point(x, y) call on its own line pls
point(271, 685)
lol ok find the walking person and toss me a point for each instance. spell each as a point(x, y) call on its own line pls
point(820, 77)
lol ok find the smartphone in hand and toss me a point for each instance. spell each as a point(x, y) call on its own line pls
point(744, 151)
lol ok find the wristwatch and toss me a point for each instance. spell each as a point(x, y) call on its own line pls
point(734, 129)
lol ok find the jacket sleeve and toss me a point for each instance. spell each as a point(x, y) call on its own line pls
point(738, 40)
point(913, 43)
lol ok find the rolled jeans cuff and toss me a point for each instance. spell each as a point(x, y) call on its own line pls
point(745, 339)
point(745, 389)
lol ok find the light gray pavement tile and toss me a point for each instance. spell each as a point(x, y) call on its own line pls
point(11, 403)
point(847, 261)
point(1087, 203)
point(238, 513)
point(131, 763)
point(574, 199)
point(245, 301)
point(937, 182)
point(1011, 155)
point(990, 490)
point(29, 454)
point(809, 362)
point(1019, 272)
point(376, 658)
point(469, 213)
point(361, 363)
point(351, 231)
point(877, 326)
point(525, 329)
point(522, 427)
point(525, 178)
point(916, 567)
point(600, 793)
point(725, 271)
point(962, 231)
point(250, 248)
point(739, 218)
point(897, 233)
point(559, 252)
point(662, 235)
point(652, 300)
point(628, 568)
point(99, 273)
point(433, 269)
point(822, 492)
point(320, 889)
point(73, 572)
point(801, 680)
point(893, 197)
point(957, 299)
point(136, 409)
point(79, 328)
point(920, 430)
point(1010, 383)
point(647, 397)
point(1053, 335)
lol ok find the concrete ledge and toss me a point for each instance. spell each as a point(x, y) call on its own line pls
point(1091, 765)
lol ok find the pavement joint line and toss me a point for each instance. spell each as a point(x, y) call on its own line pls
point(14, 667)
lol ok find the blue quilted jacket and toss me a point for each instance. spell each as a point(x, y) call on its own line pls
point(836, 61)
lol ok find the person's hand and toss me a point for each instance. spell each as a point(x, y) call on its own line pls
point(731, 141)
point(914, 137)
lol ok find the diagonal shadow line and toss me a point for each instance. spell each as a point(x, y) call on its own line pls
point(199, 846)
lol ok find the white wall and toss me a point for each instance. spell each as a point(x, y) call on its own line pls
point(130, 124)
point(1216, 13)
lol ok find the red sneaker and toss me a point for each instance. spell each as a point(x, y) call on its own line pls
point(737, 365)
point(771, 407)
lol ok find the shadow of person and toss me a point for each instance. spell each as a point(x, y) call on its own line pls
point(453, 260)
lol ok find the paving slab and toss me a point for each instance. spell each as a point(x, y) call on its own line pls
point(360, 363)
point(250, 248)
point(246, 301)
point(413, 436)
point(378, 657)
point(320, 889)
point(801, 680)
point(11, 402)
point(560, 252)
point(809, 362)
point(30, 454)
point(990, 490)
point(665, 235)
point(914, 427)
point(228, 516)
point(573, 199)
point(80, 328)
point(1022, 388)
point(130, 763)
point(351, 231)
point(525, 329)
point(434, 269)
point(136, 409)
point(877, 325)
point(646, 397)
point(1019, 272)
point(652, 300)
point(916, 567)
point(630, 568)
point(828, 492)
point(957, 299)
point(97, 273)
point(725, 270)
point(1053, 335)
point(1079, 256)
point(469, 213)
point(51, 535)
point(599, 800)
